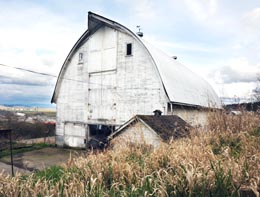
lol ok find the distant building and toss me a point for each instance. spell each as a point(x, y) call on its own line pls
point(111, 74)
point(150, 130)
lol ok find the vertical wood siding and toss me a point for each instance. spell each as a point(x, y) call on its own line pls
point(108, 87)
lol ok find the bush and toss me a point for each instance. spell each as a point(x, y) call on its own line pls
point(24, 130)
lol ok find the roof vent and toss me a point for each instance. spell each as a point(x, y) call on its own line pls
point(157, 112)
point(174, 57)
point(139, 33)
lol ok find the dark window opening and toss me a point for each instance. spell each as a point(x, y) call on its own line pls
point(98, 129)
point(129, 49)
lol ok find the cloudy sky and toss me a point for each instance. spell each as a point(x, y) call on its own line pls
point(218, 39)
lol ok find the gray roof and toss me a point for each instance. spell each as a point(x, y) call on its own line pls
point(182, 86)
point(166, 126)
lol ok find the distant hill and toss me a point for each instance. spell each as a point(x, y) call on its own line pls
point(39, 105)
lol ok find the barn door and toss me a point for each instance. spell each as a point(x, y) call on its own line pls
point(74, 134)
point(102, 94)
point(102, 61)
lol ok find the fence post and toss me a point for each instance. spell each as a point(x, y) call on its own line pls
point(11, 150)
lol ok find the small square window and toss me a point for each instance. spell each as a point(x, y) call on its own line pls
point(129, 49)
point(80, 58)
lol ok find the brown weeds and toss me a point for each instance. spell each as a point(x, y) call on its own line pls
point(221, 162)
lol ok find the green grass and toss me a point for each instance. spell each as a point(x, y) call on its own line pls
point(223, 142)
point(47, 113)
point(256, 132)
point(59, 176)
point(52, 174)
point(26, 148)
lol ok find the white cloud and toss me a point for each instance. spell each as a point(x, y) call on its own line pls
point(202, 9)
point(250, 30)
point(145, 10)
point(236, 70)
point(236, 90)
point(237, 78)
point(35, 37)
point(186, 46)
point(38, 36)
point(251, 20)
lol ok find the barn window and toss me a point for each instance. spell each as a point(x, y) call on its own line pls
point(129, 49)
point(80, 58)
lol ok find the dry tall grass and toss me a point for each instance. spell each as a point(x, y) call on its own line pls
point(222, 162)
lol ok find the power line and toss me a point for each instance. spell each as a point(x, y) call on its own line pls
point(40, 73)
point(79, 81)
point(27, 70)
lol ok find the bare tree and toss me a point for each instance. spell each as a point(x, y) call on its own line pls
point(256, 91)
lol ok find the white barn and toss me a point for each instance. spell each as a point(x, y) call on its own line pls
point(112, 74)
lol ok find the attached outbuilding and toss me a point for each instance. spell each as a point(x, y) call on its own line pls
point(150, 130)
point(111, 74)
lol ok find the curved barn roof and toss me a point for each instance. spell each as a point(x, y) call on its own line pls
point(181, 85)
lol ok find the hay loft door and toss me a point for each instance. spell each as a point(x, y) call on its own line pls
point(102, 94)
point(102, 76)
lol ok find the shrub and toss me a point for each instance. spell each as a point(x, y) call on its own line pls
point(24, 130)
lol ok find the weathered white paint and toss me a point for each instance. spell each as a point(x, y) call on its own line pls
point(193, 117)
point(137, 133)
point(103, 92)
point(108, 87)
point(74, 134)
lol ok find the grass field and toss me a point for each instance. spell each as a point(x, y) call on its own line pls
point(21, 148)
point(224, 161)
point(47, 113)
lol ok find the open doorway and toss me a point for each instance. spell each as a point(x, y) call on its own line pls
point(98, 135)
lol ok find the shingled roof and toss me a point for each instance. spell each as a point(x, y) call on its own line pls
point(166, 126)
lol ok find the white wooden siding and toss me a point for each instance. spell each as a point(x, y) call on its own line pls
point(74, 135)
point(102, 96)
point(193, 117)
point(109, 87)
point(102, 51)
